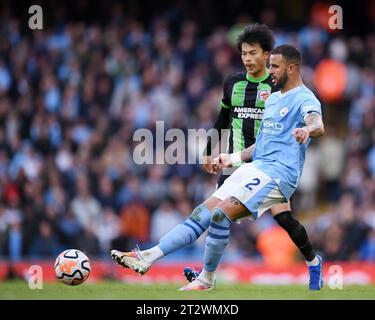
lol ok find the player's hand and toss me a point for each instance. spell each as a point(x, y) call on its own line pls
point(223, 160)
point(216, 165)
point(301, 135)
point(207, 164)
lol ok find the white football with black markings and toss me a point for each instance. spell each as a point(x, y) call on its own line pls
point(72, 267)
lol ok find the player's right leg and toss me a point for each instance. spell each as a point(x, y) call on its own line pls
point(180, 236)
point(223, 215)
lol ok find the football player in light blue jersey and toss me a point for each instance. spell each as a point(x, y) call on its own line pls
point(276, 151)
point(291, 118)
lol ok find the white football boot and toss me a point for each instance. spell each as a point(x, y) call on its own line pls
point(132, 260)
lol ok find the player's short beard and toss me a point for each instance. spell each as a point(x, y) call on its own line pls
point(282, 81)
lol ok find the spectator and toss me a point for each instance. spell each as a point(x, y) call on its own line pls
point(70, 229)
point(332, 161)
point(106, 195)
point(135, 223)
point(84, 206)
point(165, 218)
point(107, 230)
point(276, 247)
point(45, 244)
point(87, 241)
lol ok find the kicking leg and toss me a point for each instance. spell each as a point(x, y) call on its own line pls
point(188, 232)
point(180, 236)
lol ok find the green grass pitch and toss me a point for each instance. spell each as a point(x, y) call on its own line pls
point(112, 290)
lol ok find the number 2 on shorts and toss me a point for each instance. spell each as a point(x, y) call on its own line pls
point(255, 182)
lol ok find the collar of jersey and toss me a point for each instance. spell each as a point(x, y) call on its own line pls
point(252, 79)
point(281, 95)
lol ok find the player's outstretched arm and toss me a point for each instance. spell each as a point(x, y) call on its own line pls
point(247, 154)
point(314, 124)
point(225, 160)
point(314, 128)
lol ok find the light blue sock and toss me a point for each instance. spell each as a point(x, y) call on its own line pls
point(188, 232)
point(217, 239)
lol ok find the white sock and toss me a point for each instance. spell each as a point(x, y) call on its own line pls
point(207, 276)
point(314, 262)
point(153, 254)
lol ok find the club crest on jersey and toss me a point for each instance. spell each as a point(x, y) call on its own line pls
point(283, 111)
point(263, 94)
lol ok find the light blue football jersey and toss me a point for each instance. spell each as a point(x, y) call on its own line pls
point(276, 152)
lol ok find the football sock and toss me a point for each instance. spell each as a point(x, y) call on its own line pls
point(188, 232)
point(207, 276)
point(153, 254)
point(313, 262)
point(297, 233)
point(217, 239)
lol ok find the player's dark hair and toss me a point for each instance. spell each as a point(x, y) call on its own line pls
point(290, 53)
point(257, 33)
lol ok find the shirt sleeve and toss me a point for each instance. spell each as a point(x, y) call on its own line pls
point(222, 122)
point(226, 100)
point(310, 106)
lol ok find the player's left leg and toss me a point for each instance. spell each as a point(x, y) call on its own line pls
point(191, 273)
point(283, 215)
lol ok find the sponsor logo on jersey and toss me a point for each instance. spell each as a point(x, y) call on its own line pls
point(248, 113)
point(263, 94)
point(310, 107)
point(272, 127)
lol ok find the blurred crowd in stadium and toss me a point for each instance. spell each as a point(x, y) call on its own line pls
point(72, 95)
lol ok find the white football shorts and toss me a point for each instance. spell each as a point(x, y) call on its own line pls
point(254, 188)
